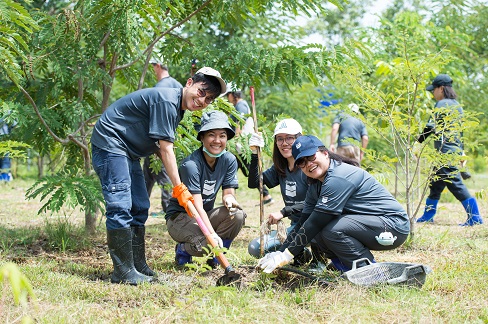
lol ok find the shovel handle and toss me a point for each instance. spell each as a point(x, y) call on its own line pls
point(229, 270)
point(260, 171)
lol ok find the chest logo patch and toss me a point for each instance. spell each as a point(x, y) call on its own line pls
point(291, 189)
point(208, 188)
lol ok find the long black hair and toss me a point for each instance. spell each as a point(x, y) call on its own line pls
point(279, 161)
point(449, 92)
point(338, 157)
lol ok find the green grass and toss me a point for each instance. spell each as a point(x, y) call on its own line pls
point(69, 273)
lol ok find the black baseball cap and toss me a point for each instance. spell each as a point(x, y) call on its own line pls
point(439, 81)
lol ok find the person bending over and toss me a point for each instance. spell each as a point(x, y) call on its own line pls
point(138, 125)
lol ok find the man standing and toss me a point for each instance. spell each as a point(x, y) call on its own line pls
point(242, 107)
point(447, 141)
point(138, 125)
point(352, 131)
point(164, 81)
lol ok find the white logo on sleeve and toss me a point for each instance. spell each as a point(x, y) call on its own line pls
point(208, 187)
point(291, 189)
point(324, 200)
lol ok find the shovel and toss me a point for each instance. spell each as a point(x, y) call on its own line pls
point(260, 170)
point(230, 274)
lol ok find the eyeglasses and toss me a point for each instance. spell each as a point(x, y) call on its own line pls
point(202, 93)
point(288, 140)
point(302, 162)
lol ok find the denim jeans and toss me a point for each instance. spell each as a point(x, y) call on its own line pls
point(123, 187)
point(271, 242)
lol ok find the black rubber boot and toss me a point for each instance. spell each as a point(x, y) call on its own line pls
point(139, 250)
point(120, 248)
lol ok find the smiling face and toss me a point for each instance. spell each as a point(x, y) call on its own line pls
point(215, 140)
point(284, 143)
point(315, 166)
point(195, 97)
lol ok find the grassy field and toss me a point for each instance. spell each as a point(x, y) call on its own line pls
point(70, 272)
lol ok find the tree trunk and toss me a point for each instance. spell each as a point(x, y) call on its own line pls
point(90, 222)
point(90, 216)
point(40, 166)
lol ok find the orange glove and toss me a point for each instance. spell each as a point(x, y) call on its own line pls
point(181, 193)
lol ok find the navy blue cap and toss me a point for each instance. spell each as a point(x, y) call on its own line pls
point(439, 81)
point(306, 145)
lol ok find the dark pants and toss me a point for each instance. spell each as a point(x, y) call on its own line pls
point(450, 177)
point(352, 237)
point(162, 179)
point(244, 166)
point(123, 187)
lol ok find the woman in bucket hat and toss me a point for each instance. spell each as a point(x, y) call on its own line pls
point(346, 211)
point(204, 172)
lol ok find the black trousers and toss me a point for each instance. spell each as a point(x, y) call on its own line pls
point(352, 237)
point(448, 177)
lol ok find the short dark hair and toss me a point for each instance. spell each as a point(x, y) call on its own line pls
point(237, 94)
point(163, 66)
point(212, 84)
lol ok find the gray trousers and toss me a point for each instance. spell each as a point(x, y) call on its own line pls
point(352, 237)
point(184, 229)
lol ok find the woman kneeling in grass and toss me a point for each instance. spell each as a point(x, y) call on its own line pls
point(345, 210)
